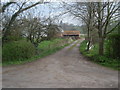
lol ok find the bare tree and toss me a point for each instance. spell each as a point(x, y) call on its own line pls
point(52, 29)
point(105, 12)
point(84, 11)
point(99, 15)
point(22, 8)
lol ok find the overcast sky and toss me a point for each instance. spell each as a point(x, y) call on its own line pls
point(53, 9)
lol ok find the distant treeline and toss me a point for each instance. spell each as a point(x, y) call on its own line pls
point(70, 27)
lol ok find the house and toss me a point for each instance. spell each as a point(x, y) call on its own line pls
point(72, 34)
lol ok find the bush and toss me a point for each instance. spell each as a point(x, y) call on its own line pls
point(113, 45)
point(17, 50)
point(103, 60)
point(83, 46)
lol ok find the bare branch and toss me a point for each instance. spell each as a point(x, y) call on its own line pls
point(114, 28)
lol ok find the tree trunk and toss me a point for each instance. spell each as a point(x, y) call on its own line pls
point(88, 39)
point(88, 45)
point(101, 46)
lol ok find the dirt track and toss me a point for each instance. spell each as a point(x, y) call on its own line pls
point(65, 69)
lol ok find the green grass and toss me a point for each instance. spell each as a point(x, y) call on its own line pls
point(45, 48)
point(95, 57)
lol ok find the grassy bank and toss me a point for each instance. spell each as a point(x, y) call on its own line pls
point(45, 48)
point(95, 57)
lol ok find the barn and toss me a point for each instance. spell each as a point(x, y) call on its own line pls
point(72, 34)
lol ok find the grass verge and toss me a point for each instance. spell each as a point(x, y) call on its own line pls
point(95, 57)
point(45, 48)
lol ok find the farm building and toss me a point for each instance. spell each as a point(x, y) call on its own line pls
point(72, 34)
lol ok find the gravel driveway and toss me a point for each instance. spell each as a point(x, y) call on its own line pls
point(66, 68)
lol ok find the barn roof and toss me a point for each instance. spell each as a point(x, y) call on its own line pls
point(71, 32)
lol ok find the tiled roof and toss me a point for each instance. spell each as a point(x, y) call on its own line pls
point(71, 32)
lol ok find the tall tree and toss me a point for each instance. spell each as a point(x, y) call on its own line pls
point(22, 8)
point(105, 13)
point(84, 11)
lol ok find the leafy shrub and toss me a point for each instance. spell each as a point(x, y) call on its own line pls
point(103, 60)
point(93, 51)
point(11, 55)
point(0, 53)
point(14, 38)
point(83, 45)
point(113, 45)
point(17, 50)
